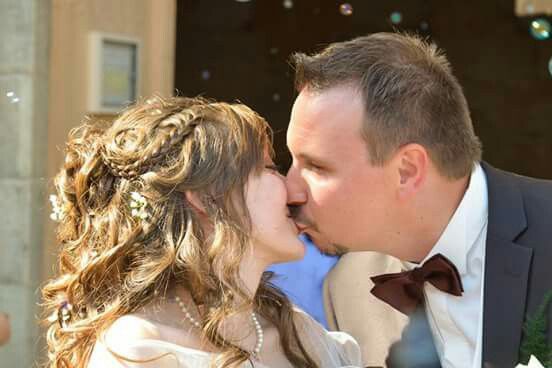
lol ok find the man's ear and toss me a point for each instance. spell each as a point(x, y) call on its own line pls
point(412, 164)
point(195, 202)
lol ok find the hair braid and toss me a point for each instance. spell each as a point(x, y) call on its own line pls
point(174, 128)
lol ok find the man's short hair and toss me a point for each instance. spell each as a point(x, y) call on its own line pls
point(409, 92)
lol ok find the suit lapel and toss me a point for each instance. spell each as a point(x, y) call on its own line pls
point(507, 266)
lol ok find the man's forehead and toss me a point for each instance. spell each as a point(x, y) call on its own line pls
point(323, 147)
point(326, 115)
point(336, 96)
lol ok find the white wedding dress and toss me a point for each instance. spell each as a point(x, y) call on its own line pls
point(328, 349)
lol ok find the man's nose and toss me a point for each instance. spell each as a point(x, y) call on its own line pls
point(296, 190)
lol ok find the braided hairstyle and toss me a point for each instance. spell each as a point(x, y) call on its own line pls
point(112, 263)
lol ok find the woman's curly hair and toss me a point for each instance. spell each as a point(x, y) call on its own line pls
point(112, 263)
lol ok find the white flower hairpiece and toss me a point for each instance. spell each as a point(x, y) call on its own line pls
point(57, 210)
point(138, 205)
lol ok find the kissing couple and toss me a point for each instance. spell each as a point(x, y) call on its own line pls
point(170, 215)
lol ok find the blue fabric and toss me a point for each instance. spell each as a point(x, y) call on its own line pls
point(302, 280)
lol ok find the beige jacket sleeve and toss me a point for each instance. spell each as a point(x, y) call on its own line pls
point(350, 307)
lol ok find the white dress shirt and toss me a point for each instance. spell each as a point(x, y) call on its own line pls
point(456, 322)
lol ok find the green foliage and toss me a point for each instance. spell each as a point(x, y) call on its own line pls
point(534, 340)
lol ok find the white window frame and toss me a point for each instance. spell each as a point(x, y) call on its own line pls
point(97, 41)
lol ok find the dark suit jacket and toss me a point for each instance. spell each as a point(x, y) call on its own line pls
point(518, 261)
point(518, 272)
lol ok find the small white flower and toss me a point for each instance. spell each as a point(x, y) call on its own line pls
point(57, 210)
point(138, 205)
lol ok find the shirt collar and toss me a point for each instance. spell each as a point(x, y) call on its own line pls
point(465, 225)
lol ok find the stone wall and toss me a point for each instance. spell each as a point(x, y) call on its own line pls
point(24, 30)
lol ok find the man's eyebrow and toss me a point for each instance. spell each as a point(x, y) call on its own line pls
point(306, 157)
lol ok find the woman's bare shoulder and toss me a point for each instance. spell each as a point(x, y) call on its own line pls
point(132, 326)
point(118, 345)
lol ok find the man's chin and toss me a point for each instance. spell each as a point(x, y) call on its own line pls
point(324, 245)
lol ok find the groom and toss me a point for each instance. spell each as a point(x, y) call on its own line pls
point(385, 160)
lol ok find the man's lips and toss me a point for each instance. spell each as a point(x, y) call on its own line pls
point(313, 234)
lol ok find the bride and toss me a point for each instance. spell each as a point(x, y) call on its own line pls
point(168, 219)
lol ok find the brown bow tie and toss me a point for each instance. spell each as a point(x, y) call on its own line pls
point(404, 291)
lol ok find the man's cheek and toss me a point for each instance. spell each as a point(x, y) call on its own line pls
point(327, 196)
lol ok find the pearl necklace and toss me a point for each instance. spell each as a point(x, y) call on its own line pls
point(258, 329)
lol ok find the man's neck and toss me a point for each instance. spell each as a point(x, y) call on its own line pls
point(437, 207)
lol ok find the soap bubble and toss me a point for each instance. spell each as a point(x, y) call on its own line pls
point(540, 29)
point(346, 9)
point(205, 74)
point(396, 17)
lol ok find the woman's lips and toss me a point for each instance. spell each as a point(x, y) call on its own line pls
point(301, 227)
point(296, 225)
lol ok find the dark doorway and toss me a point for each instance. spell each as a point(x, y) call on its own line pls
point(238, 50)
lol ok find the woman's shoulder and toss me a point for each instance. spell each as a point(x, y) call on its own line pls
point(132, 326)
point(128, 331)
point(130, 341)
